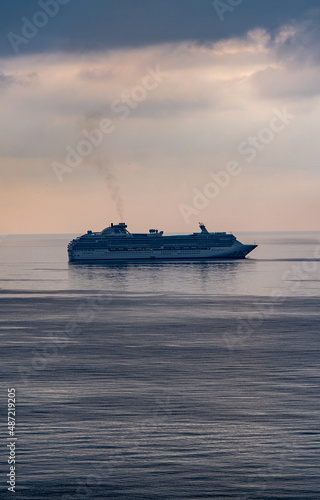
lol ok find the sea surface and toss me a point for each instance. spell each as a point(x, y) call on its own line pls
point(162, 381)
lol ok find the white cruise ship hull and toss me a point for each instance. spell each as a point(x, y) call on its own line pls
point(236, 251)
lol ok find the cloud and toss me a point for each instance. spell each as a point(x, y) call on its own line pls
point(288, 83)
point(168, 132)
point(84, 26)
point(22, 80)
point(6, 80)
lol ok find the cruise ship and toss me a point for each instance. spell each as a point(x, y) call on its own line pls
point(116, 243)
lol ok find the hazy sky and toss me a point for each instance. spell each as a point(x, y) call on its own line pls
point(159, 113)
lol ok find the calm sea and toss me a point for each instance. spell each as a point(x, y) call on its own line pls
point(164, 380)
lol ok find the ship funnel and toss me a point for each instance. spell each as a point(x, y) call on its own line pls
point(203, 227)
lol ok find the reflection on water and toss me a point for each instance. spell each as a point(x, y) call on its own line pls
point(241, 277)
point(188, 277)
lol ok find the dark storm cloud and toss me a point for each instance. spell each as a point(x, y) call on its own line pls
point(84, 25)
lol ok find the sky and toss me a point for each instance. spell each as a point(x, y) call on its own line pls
point(160, 114)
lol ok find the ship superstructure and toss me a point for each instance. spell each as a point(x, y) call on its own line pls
point(115, 243)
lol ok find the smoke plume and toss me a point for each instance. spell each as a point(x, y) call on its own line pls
point(103, 170)
point(90, 122)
